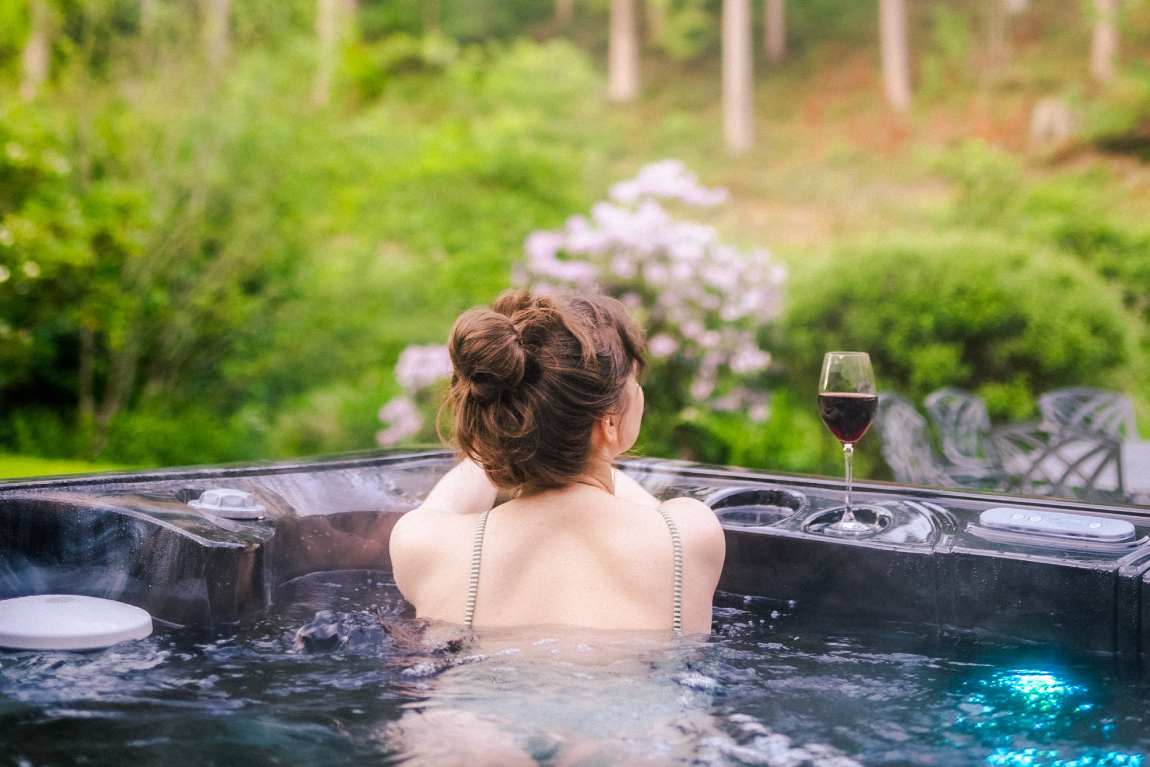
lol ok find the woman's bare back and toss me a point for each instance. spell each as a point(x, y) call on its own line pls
point(576, 556)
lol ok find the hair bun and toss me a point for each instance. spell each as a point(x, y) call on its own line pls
point(532, 377)
point(487, 352)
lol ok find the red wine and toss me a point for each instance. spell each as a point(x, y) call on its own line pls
point(848, 415)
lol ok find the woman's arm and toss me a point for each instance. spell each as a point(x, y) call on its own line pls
point(463, 490)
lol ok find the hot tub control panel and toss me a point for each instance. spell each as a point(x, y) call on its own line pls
point(1056, 524)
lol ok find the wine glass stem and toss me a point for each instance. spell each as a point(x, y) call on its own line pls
point(848, 455)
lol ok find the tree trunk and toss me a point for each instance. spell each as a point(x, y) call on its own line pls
point(997, 36)
point(564, 12)
point(656, 20)
point(738, 81)
point(430, 16)
point(1104, 42)
point(121, 381)
point(622, 53)
point(775, 30)
point(147, 16)
point(326, 32)
point(216, 32)
point(87, 401)
point(895, 59)
point(35, 58)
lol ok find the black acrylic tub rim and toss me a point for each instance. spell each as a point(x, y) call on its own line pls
point(687, 470)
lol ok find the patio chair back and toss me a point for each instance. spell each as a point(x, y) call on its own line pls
point(905, 443)
point(1101, 411)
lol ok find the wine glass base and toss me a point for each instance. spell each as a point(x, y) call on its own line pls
point(869, 519)
point(851, 529)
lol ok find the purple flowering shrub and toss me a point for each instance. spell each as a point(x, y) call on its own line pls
point(701, 301)
point(417, 372)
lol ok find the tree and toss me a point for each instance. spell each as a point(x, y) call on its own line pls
point(656, 19)
point(895, 59)
point(35, 58)
point(217, 13)
point(1104, 41)
point(564, 12)
point(775, 31)
point(430, 16)
point(998, 45)
point(147, 15)
point(327, 33)
point(738, 76)
point(622, 52)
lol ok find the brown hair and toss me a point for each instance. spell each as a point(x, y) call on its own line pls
point(532, 375)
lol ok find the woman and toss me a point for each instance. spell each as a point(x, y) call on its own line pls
point(544, 398)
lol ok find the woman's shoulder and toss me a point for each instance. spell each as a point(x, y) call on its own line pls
point(426, 527)
point(425, 537)
point(698, 527)
point(692, 512)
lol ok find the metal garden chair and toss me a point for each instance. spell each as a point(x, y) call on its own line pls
point(963, 427)
point(1104, 412)
point(906, 444)
point(1063, 461)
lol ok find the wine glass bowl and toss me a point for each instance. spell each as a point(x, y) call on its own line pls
point(848, 403)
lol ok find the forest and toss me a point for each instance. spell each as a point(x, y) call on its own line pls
point(223, 222)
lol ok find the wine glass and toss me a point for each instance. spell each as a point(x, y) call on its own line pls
point(847, 403)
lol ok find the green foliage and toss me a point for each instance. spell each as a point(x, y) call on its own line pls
point(463, 20)
point(200, 265)
point(975, 312)
point(792, 439)
point(947, 59)
point(690, 29)
point(216, 251)
point(1073, 212)
point(821, 21)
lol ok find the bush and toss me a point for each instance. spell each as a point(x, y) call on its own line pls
point(968, 311)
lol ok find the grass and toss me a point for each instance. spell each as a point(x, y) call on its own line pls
point(16, 466)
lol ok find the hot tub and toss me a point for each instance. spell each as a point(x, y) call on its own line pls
point(971, 627)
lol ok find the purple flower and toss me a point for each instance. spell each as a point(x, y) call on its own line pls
point(663, 345)
point(421, 366)
point(403, 420)
point(668, 178)
point(702, 299)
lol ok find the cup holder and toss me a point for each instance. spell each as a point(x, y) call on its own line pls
point(877, 518)
point(756, 506)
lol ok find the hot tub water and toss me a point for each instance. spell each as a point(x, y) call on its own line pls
point(765, 689)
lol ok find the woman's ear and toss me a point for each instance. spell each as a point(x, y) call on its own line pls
point(605, 433)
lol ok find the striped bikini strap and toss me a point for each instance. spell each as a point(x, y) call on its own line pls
point(473, 587)
point(678, 572)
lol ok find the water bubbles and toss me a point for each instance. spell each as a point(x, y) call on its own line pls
point(697, 681)
point(421, 669)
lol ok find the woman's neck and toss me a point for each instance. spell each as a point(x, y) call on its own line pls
point(599, 475)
